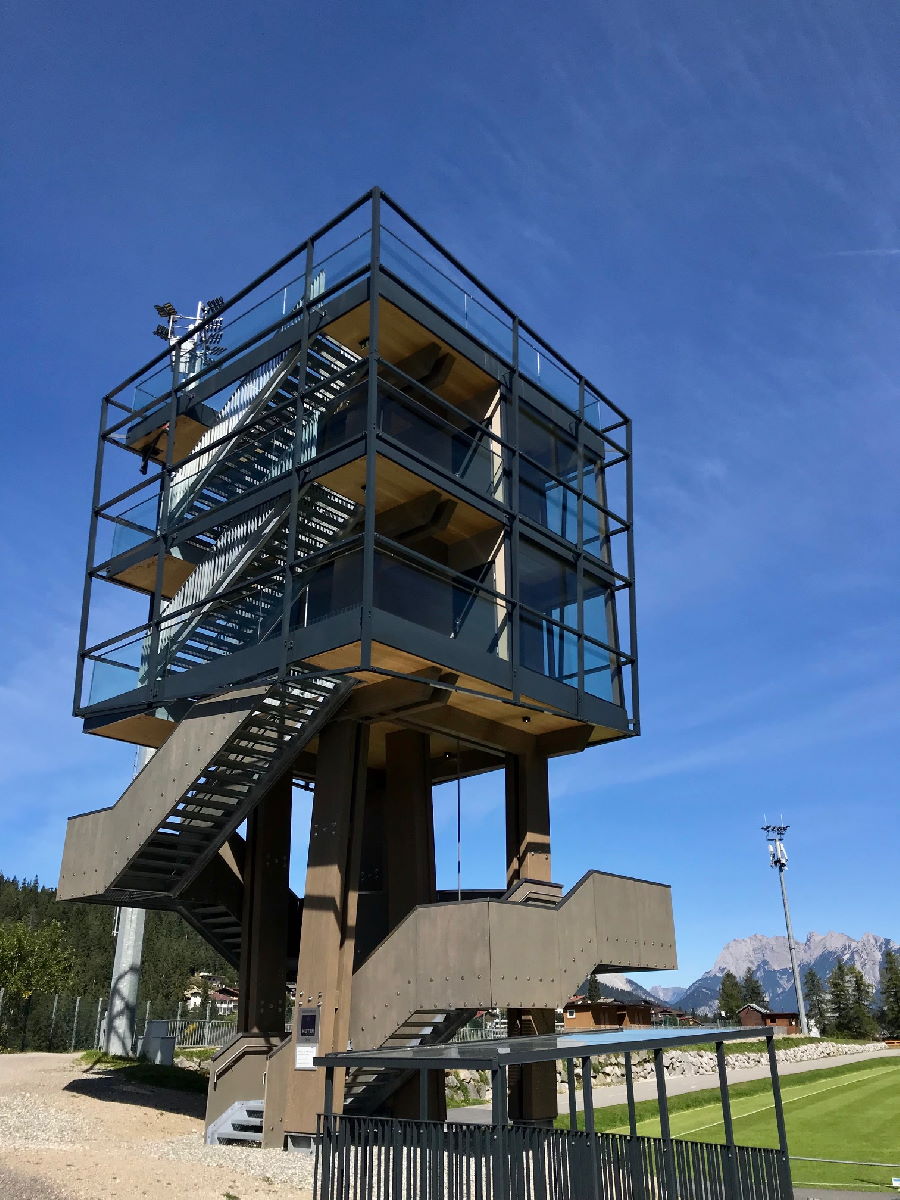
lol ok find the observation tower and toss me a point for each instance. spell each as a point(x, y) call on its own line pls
point(359, 530)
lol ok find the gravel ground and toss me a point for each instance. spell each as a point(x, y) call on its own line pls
point(275, 1166)
point(68, 1133)
point(18, 1187)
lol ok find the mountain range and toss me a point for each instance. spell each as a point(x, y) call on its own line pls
point(769, 960)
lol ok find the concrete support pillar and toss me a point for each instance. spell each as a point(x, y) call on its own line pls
point(411, 876)
point(121, 1014)
point(409, 823)
point(264, 927)
point(532, 1095)
point(328, 928)
point(527, 818)
point(121, 1010)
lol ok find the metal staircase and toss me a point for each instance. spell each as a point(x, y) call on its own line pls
point(240, 1124)
point(366, 1088)
point(254, 546)
point(153, 846)
point(194, 792)
point(529, 949)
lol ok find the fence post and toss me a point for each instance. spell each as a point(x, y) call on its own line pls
point(74, 1025)
point(52, 1020)
point(2, 997)
point(97, 1029)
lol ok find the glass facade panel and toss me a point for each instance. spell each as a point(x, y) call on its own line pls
point(547, 583)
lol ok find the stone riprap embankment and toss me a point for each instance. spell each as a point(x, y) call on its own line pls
point(473, 1087)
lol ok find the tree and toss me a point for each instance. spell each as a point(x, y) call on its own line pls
point(861, 1022)
point(731, 998)
point(751, 989)
point(889, 1014)
point(34, 958)
point(839, 1002)
point(593, 993)
point(816, 1000)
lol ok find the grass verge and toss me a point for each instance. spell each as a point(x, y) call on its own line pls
point(847, 1112)
point(178, 1079)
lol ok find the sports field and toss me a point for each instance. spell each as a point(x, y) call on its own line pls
point(849, 1112)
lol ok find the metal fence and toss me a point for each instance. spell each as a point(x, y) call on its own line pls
point(429, 1160)
point(49, 1021)
point(200, 1033)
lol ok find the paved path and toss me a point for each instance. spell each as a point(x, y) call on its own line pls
point(676, 1085)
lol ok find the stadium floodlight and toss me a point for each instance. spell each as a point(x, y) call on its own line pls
point(166, 310)
point(778, 858)
point(162, 331)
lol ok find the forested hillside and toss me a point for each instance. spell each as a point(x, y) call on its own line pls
point(172, 949)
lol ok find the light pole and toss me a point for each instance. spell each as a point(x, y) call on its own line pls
point(778, 858)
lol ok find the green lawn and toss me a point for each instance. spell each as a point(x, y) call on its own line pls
point(850, 1112)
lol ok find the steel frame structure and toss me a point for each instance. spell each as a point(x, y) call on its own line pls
point(531, 378)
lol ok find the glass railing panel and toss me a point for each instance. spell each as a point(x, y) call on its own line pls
point(469, 453)
point(338, 421)
point(598, 668)
point(154, 387)
point(325, 588)
point(540, 366)
point(122, 528)
point(452, 606)
point(340, 264)
point(446, 295)
point(548, 648)
point(116, 670)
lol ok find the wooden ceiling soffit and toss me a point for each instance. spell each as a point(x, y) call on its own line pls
point(392, 697)
point(469, 727)
point(570, 740)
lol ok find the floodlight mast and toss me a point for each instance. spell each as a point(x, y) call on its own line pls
point(778, 858)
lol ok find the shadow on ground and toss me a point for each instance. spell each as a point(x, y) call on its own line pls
point(118, 1088)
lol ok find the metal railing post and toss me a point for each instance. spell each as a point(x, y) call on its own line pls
point(732, 1186)
point(573, 1103)
point(784, 1164)
point(664, 1127)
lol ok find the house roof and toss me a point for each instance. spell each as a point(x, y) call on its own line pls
point(768, 1012)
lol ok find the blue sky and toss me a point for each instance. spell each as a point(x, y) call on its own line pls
point(696, 204)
